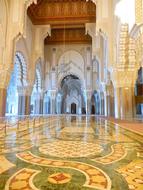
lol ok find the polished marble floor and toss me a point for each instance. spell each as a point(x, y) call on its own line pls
point(71, 153)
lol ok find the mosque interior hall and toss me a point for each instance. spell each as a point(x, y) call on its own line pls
point(71, 95)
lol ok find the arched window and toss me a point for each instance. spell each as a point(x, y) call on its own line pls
point(18, 79)
point(36, 90)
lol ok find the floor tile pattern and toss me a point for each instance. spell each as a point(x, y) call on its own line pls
point(118, 153)
point(71, 149)
point(70, 153)
point(95, 178)
point(133, 173)
point(21, 180)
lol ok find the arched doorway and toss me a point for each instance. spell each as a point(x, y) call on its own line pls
point(93, 105)
point(36, 99)
point(15, 103)
point(12, 95)
point(73, 108)
point(72, 96)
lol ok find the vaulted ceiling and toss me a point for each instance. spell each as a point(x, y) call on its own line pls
point(64, 15)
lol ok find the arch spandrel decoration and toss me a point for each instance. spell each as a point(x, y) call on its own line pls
point(67, 65)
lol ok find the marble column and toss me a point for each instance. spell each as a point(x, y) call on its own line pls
point(53, 106)
point(117, 102)
point(28, 92)
point(21, 100)
point(88, 106)
point(88, 57)
point(88, 68)
point(46, 104)
point(127, 102)
point(54, 58)
point(112, 106)
point(97, 105)
point(108, 105)
point(39, 103)
point(53, 102)
point(27, 104)
point(105, 105)
point(21, 104)
point(41, 106)
point(3, 93)
point(102, 106)
point(88, 102)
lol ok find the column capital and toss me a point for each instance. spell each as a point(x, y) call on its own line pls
point(53, 93)
point(124, 78)
point(88, 94)
point(28, 90)
point(21, 91)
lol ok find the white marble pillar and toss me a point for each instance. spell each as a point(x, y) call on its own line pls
point(53, 102)
point(88, 102)
point(117, 102)
point(105, 104)
point(54, 58)
point(88, 68)
point(21, 100)
point(88, 57)
point(38, 103)
point(108, 105)
point(127, 102)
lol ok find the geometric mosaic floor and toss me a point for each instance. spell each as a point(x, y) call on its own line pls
point(72, 153)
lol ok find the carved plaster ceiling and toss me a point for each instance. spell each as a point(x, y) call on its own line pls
point(67, 19)
point(69, 36)
point(58, 13)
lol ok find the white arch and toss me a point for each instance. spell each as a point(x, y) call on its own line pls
point(71, 62)
point(21, 69)
point(38, 76)
point(70, 73)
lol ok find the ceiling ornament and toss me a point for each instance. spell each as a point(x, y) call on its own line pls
point(29, 2)
point(54, 12)
point(94, 1)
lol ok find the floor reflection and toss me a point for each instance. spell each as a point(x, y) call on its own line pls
point(71, 153)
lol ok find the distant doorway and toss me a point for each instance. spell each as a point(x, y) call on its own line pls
point(73, 108)
point(93, 110)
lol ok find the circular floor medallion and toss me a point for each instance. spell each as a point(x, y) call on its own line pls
point(59, 178)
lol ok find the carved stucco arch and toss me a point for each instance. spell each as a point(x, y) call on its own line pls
point(20, 61)
point(69, 73)
point(80, 57)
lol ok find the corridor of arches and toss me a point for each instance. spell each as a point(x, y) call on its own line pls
point(43, 56)
point(71, 94)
